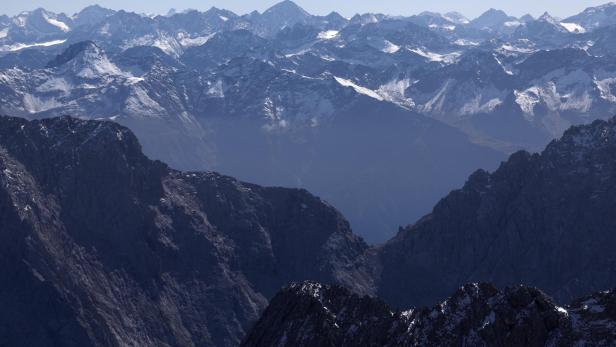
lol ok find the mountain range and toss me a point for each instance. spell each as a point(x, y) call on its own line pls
point(103, 246)
point(265, 96)
point(478, 314)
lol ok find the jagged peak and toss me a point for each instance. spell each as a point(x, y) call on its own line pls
point(335, 15)
point(73, 51)
point(546, 17)
point(596, 135)
point(478, 311)
point(86, 59)
point(66, 131)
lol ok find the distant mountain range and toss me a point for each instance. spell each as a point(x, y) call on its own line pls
point(380, 115)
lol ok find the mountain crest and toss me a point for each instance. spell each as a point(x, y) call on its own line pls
point(72, 52)
point(546, 17)
point(287, 8)
point(86, 59)
point(477, 314)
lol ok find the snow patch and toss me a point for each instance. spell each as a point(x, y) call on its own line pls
point(216, 90)
point(516, 49)
point(394, 91)
point(390, 47)
point(328, 35)
point(21, 20)
point(187, 41)
point(464, 42)
point(475, 106)
point(605, 88)
point(4, 33)
point(20, 46)
point(512, 24)
point(444, 58)
point(359, 89)
point(527, 100)
point(58, 24)
point(562, 311)
point(573, 28)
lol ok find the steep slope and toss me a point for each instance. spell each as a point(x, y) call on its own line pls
point(594, 17)
point(34, 27)
point(102, 246)
point(311, 314)
point(540, 219)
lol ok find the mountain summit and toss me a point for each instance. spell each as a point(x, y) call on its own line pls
point(312, 314)
point(86, 59)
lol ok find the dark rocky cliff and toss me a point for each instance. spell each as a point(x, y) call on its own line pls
point(311, 314)
point(545, 220)
point(101, 246)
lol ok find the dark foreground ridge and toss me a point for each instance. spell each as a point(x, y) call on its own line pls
point(311, 314)
point(101, 246)
point(545, 220)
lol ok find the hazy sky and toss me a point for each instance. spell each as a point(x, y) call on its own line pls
point(470, 8)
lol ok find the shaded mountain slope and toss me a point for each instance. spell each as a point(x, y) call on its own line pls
point(540, 219)
point(103, 246)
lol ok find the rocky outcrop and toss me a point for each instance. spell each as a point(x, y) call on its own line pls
point(311, 314)
point(540, 219)
point(101, 246)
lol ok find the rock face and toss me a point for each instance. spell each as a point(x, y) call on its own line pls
point(540, 219)
point(311, 314)
point(102, 246)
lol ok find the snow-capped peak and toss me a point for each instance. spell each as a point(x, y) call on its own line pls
point(456, 18)
point(546, 17)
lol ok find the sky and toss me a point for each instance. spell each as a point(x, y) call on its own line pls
point(470, 8)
